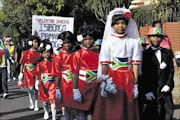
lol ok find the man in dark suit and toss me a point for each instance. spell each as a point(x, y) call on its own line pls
point(157, 79)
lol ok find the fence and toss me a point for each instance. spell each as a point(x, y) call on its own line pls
point(172, 29)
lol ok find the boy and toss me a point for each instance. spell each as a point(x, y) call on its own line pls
point(157, 80)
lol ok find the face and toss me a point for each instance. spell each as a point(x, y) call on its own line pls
point(35, 44)
point(120, 27)
point(155, 40)
point(46, 54)
point(158, 25)
point(88, 42)
point(67, 45)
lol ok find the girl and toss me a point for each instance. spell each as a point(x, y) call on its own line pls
point(84, 65)
point(60, 69)
point(45, 81)
point(28, 63)
point(119, 58)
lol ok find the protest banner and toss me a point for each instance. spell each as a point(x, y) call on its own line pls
point(49, 27)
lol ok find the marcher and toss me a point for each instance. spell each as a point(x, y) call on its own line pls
point(60, 69)
point(157, 80)
point(45, 81)
point(119, 58)
point(84, 65)
point(5, 56)
point(13, 54)
point(28, 63)
point(166, 43)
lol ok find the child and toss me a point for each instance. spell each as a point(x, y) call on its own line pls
point(45, 81)
point(84, 65)
point(60, 69)
point(28, 63)
point(157, 78)
point(119, 57)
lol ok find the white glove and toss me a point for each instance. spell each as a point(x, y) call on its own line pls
point(104, 77)
point(135, 91)
point(103, 93)
point(110, 87)
point(165, 88)
point(20, 77)
point(77, 95)
point(149, 96)
point(58, 94)
point(37, 85)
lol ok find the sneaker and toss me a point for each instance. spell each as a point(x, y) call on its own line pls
point(9, 80)
point(46, 115)
point(14, 78)
point(5, 95)
point(36, 109)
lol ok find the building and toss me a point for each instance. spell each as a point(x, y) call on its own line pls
point(140, 3)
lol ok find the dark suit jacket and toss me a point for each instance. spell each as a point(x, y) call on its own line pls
point(154, 78)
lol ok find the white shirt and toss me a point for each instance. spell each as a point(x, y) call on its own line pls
point(121, 47)
point(157, 53)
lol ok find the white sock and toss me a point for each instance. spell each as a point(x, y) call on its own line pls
point(53, 110)
point(46, 110)
point(30, 93)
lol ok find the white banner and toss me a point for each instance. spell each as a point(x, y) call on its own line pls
point(49, 27)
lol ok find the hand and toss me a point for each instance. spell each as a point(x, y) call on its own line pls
point(12, 61)
point(103, 93)
point(165, 88)
point(58, 94)
point(149, 96)
point(20, 84)
point(77, 95)
point(20, 77)
point(37, 85)
point(135, 91)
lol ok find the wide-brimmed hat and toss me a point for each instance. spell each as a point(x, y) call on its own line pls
point(155, 31)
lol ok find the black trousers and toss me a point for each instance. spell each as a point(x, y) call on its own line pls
point(3, 80)
point(160, 109)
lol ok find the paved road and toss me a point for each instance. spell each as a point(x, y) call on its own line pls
point(16, 106)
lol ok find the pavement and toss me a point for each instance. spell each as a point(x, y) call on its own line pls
point(15, 107)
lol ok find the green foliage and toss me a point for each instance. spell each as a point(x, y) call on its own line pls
point(45, 7)
point(17, 18)
point(101, 8)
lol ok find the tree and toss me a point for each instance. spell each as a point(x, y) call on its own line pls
point(17, 18)
point(167, 10)
point(101, 8)
point(45, 7)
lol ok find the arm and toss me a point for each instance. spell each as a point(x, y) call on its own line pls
point(57, 81)
point(135, 72)
point(105, 69)
point(75, 81)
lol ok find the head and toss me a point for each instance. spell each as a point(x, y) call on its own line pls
point(87, 36)
point(157, 23)
point(155, 36)
point(155, 40)
point(46, 50)
point(34, 42)
point(7, 40)
point(119, 24)
point(67, 40)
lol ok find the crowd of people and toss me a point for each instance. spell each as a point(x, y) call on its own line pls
point(102, 78)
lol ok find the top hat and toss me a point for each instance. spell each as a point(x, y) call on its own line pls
point(155, 31)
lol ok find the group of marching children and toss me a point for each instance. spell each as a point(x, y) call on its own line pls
point(84, 80)
point(65, 80)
